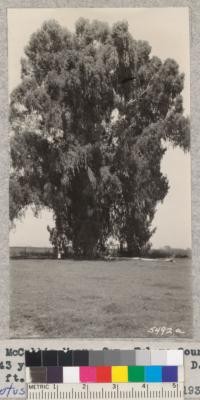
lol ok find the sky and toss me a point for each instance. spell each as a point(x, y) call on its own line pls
point(167, 30)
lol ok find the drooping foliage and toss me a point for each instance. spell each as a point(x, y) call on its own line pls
point(89, 122)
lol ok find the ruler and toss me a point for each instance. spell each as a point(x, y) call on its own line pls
point(105, 391)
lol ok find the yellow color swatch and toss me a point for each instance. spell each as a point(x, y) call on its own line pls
point(119, 374)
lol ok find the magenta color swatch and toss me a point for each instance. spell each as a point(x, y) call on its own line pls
point(87, 374)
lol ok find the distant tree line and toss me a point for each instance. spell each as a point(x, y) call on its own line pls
point(22, 252)
point(90, 121)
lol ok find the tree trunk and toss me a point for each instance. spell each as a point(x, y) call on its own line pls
point(133, 249)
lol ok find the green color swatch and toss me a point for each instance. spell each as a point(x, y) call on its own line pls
point(136, 374)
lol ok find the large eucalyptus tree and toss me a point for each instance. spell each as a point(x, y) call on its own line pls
point(90, 121)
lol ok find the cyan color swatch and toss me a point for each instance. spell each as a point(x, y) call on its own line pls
point(153, 374)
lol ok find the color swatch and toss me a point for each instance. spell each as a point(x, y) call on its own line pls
point(114, 374)
point(103, 357)
point(104, 366)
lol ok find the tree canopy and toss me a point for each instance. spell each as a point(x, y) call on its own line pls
point(90, 121)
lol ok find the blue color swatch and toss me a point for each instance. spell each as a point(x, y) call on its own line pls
point(170, 374)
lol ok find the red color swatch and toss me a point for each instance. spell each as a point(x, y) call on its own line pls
point(103, 374)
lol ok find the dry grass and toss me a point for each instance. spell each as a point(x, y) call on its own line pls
point(52, 298)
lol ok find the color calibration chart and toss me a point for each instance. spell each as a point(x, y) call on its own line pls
point(104, 374)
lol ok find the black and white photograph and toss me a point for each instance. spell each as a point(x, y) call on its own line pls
point(100, 172)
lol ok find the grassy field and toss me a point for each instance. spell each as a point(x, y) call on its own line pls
point(67, 298)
